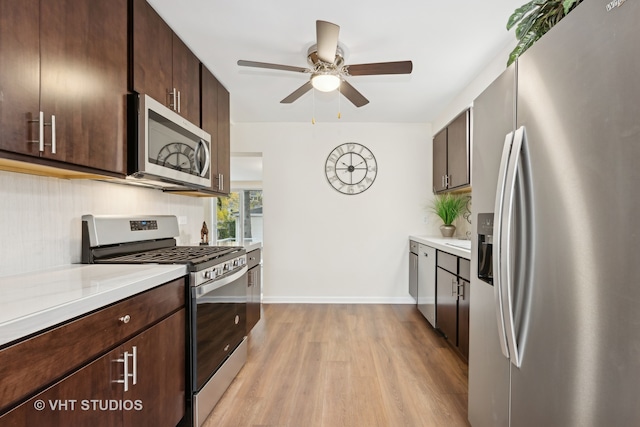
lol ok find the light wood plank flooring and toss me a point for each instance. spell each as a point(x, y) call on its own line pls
point(345, 365)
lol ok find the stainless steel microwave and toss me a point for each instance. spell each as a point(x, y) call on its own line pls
point(170, 151)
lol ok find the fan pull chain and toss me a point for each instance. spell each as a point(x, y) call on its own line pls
point(339, 103)
point(313, 115)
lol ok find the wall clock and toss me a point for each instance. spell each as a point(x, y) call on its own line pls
point(178, 156)
point(351, 168)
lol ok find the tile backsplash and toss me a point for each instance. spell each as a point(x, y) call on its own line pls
point(40, 217)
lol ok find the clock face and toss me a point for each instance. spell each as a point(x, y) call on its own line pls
point(178, 156)
point(351, 168)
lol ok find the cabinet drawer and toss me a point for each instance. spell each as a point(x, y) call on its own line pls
point(448, 262)
point(253, 258)
point(29, 365)
point(413, 246)
point(465, 269)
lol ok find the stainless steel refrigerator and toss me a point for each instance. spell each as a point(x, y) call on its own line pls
point(555, 336)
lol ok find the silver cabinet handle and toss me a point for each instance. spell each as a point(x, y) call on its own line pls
point(53, 134)
point(40, 139)
point(41, 131)
point(454, 287)
point(125, 319)
point(178, 101)
point(134, 374)
point(442, 181)
point(125, 376)
point(461, 290)
point(134, 357)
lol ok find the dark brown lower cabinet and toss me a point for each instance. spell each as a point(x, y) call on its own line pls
point(463, 318)
point(95, 394)
point(447, 304)
point(452, 300)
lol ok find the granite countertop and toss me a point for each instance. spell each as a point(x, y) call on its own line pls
point(453, 246)
point(35, 301)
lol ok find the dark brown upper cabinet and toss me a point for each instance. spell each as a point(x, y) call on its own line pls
point(215, 121)
point(163, 66)
point(451, 155)
point(63, 81)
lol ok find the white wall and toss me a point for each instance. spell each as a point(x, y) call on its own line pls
point(40, 224)
point(465, 98)
point(324, 246)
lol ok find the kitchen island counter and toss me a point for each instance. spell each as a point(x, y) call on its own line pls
point(35, 301)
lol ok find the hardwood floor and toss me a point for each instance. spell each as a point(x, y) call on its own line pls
point(343, 365)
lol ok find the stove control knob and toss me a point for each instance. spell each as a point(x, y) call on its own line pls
point(227, 266)
point(235, 262)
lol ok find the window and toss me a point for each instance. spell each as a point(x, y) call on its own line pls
point(239, 217)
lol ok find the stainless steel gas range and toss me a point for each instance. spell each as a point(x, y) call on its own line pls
point(216, 295)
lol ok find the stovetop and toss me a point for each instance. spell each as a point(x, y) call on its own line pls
point(191, 256)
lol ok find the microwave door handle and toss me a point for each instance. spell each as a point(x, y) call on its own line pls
point(201, 145)
point(207, 157)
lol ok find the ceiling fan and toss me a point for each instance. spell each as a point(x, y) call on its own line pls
point(328, 70)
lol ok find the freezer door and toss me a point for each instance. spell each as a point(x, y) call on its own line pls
point(577, 322)
point(493, 118)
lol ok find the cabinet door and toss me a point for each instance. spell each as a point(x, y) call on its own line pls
point(83, 50)
point(458, 151)
point(463, 318)
point(160, 374)
point(186, 80)
point(447, 304)
point(152, 53)
point(440, 161)
point(224, 139)
point(19, 75)
point(80, 399)
point(209, 118)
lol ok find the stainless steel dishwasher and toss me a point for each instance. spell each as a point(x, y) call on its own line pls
point(427, 283)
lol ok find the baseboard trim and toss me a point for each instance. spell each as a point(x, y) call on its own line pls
point(337, 300)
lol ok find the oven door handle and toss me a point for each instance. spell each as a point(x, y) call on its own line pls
point(210, 286)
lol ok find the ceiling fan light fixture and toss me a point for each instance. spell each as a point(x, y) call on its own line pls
point(325, 82)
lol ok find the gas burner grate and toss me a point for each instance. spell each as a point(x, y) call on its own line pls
point(174, 255)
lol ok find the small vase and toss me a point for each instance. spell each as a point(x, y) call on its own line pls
point(447, 230)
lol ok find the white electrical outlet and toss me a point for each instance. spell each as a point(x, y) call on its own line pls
point(182, 220)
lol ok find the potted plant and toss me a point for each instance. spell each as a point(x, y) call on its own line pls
point(534, 19)
point(448, 207)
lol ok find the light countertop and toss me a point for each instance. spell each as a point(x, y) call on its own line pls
point(450, 245)
point(247, 244)
point(34, 301)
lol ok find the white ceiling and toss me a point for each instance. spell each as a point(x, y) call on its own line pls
point(449, 43)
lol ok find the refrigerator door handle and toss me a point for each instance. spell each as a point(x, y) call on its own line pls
point(497, 231)
point(519, 140)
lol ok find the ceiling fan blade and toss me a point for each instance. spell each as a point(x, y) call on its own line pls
point(352, 94)
point(244, 63)
point(297, 93)
point(399, 67)
point(327, 40)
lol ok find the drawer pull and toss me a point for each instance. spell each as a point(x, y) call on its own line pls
point(237, 319)
point(125, 319)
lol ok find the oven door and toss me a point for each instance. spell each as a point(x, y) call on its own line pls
point(218, 323)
